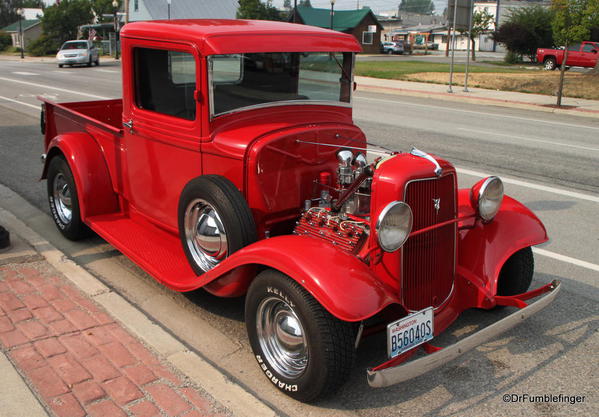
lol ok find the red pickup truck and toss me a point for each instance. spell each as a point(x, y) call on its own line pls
point(583, 54)
point(232, 164)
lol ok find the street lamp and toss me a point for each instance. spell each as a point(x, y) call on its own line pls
point(21, 12)
point(332, 12)
point(115, 5)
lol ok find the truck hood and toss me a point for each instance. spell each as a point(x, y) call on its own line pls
point(233, 135)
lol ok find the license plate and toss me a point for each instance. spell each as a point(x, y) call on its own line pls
point(409, 332)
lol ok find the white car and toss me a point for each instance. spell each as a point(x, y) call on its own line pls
point(78, 52)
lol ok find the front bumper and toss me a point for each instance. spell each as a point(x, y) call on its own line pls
point(383, 376)
point(73, 60)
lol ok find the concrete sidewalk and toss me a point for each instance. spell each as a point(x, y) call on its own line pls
point(70, 346)
point(572, 106)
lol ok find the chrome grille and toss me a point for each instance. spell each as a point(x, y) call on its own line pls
point(429, 258)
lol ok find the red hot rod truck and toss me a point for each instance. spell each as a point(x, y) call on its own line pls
point(232, 164)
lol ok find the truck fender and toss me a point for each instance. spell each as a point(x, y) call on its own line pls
point(339, 281)
point(88, 165)
point(485, 247)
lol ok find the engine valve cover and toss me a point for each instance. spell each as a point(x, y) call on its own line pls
point(348, 235)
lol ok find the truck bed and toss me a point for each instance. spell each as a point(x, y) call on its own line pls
point(83, 116)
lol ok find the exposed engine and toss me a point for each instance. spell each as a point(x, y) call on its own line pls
point(341, 214)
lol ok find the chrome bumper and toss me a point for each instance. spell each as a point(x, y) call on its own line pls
point(389, 376)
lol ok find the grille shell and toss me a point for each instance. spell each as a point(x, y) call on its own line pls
point(428, 259)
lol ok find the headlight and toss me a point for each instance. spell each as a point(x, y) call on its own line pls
point(394, 226)
point(486, 196)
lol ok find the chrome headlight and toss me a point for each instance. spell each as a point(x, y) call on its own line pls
point(486, 196)
point(394, 226)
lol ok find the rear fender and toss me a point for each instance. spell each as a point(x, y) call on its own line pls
point(484, 248)
point(339, 281)
point(87, 163)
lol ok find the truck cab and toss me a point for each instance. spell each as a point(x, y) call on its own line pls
point(232, 163)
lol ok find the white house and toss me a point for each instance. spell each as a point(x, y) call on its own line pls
point(181, 9)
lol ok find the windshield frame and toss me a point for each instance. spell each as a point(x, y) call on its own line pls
point(282, 103)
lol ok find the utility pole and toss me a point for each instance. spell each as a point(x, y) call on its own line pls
point(496, 25)
point(20, 12)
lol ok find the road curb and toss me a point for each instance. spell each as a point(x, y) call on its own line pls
point(479, 100)
point(238, 400)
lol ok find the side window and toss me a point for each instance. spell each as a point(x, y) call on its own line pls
point(575, 47)
point(165, 82)
point(588, 47)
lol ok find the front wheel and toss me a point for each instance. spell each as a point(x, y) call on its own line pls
point(302, 349)
point(516, 274)
point(64, 201)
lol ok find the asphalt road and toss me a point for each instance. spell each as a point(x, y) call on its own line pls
point(549, 162)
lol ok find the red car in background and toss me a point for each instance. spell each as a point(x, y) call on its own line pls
point(583, 54)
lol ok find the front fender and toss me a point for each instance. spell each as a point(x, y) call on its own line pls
point(484, 248)
point(339, 281)
point(88, 165)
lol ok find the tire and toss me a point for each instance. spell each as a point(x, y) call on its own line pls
point(97, 62)
point(89, 64)
point(516, 274)
point(389, 51)
point(320, 351)
point(212, 204)
point(550, 63)
point(60, 65)
point(64, 201)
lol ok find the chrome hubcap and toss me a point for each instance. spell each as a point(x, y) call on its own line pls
point(205, 234)
point(62, 199)
point(282, 338)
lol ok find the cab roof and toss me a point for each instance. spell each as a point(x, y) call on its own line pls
point(216, 36)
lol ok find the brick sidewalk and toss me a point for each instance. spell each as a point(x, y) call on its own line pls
point(78, 359)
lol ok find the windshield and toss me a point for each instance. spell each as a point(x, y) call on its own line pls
point(74, 45)
point(244, 80)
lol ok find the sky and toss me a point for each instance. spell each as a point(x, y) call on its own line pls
point(376, 5)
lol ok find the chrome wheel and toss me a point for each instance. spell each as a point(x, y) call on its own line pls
point(62, 199)
point(205, 234)
point(282, 337)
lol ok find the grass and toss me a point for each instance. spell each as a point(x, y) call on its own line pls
point(510, 78)
point(398, 69)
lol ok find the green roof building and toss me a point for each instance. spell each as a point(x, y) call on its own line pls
point(32, 29)
point(361, 23)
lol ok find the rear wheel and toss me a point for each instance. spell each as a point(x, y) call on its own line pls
point(89, 64)
point(60, 65)
point(302, 349)
point(516, 275)
point(550, 63)
point(64, 201)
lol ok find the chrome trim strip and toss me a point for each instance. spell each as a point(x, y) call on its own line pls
point(401, 373)
point(417, 152)
point(276, 104)
point(455, 242)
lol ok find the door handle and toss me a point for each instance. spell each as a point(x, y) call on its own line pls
point(128, 125)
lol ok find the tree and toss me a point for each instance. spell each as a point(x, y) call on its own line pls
point(515, 37)
point(417, 6)
point(526, 30)
point(535, 19)
point(481, 20)
point(61, 21)
point(305, 3)
point(255, 9)
point(102, 7)
point(8, 9)
point(287, 5)
point(572, 22)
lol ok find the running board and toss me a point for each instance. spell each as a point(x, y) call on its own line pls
point(156, 251)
